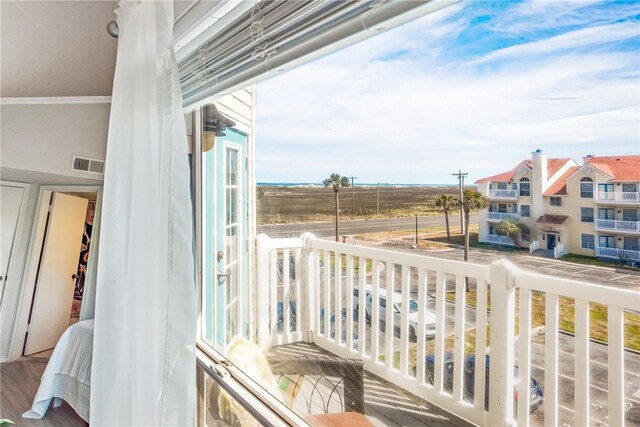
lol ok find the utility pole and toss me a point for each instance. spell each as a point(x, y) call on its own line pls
point(378, 201)
point(461, 176)
point(353, 196)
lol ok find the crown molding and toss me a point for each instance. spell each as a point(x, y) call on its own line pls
point(55, 100)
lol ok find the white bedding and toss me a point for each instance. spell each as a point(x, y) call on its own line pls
point(68, 373)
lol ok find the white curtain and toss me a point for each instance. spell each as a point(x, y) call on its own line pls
point(143, 371)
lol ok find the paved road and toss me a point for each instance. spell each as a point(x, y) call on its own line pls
point(327, 229)
point(608, 276)
point(598, 395)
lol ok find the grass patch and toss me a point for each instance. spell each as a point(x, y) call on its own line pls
point(356, 264)
point(586, 260)
point(566, 317)
point(432, 238)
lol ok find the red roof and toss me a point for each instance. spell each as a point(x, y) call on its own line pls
point(620, 168)
point(559, 188)
point(553, 166)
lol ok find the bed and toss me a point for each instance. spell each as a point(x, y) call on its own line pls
point(68, 373)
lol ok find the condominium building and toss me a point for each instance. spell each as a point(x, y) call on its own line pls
point(591, 209)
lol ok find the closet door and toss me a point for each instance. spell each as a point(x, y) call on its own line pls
point(51, 309)
point(10, 203)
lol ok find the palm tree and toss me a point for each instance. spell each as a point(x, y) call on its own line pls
point(511, 228)
point(336, 182)
point(447, 202)
point(472, 201)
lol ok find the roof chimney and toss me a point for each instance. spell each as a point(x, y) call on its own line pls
point(587, 158)
point(539, 181)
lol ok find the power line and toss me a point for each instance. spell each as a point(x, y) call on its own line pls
point(353, 196)
point(461, 176)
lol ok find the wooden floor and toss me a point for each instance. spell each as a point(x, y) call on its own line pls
point(385, 403)
point(19, 382)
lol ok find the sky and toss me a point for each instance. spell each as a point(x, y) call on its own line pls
point(476, 86)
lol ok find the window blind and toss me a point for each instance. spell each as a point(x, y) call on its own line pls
point(258, 39)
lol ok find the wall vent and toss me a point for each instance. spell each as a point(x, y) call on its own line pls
point(87, 165)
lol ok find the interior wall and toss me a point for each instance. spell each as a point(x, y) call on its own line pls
point(38, 141)
point(9, 307)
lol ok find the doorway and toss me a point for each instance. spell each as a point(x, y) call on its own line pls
point(552, 240)
point(62, 254)
point(225, 213)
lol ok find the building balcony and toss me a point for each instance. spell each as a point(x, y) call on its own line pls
point(502, 194)
point(618, 197)
point(421, 345)
point(632, 227)
point(499, 240)
point(615, 253)
point(501, 216)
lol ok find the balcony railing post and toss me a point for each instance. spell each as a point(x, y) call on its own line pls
point(308, 286)
point(501, 279)
point(263, 288)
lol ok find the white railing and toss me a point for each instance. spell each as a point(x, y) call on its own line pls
point(622, 254)
point(501, 240)
point(502, 194)
point(618, 196)
point(559, 250)
point(500, 216)
point(534, 246)
point(615, 225)
point(324, 275)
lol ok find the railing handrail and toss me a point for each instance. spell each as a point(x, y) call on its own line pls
point(619, 196)
point(503, 193)
point(625, 299)
point(620, 253)
point(620, 225)
point(533, 246)
point(324, 285)
point(401, 258)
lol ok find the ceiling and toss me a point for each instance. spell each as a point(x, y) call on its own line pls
point(58, 48)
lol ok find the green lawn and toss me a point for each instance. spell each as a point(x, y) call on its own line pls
point(598, 326)
point(587, 260)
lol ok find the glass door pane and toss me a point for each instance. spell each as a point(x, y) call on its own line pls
point(225, 248)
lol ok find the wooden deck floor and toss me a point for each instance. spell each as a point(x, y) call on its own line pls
point(385, 403)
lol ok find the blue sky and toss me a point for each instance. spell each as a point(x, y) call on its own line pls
point(476, 86)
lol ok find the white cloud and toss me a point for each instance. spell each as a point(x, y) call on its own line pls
point(416, 118)
point(570, 40)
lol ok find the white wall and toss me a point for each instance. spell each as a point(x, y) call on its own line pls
point(13, 286)
point(38, 141)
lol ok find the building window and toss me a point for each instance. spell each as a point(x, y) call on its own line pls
point(525, 211)
point(586, 214)
point(631, 243)
point(525, 187)
point(586, 188)
point(555, 201)
point(525, 236)
point(588, 241)
point(629, 215)
point(606, 213)
point(607, 241)
point(501, 185)
point(629, 188)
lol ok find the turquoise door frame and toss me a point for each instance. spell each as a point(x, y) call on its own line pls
point(225, 244)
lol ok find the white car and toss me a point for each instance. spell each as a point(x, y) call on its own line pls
point(429, 316)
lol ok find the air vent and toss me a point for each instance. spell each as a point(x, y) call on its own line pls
point(86, 165)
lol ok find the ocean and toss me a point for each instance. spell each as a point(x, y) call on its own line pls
point(357, 184)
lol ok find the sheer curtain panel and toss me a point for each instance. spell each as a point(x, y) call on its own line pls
point(143, 371)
